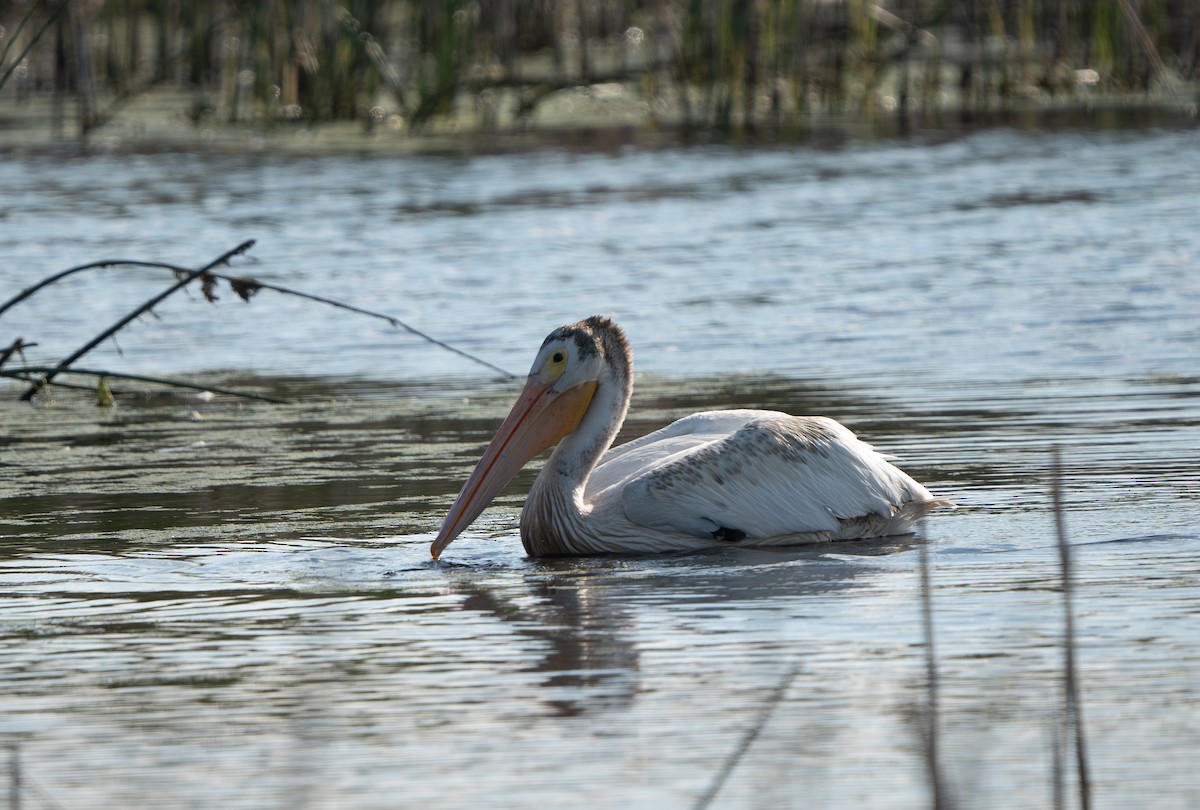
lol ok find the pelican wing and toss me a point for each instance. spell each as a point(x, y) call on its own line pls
point(635, 458)
point(758, 473)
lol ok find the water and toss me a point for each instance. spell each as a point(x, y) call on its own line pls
point(212, 603)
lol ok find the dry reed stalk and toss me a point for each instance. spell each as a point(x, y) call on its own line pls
point(931, 725)
point(774, 699)
point(1074, 710)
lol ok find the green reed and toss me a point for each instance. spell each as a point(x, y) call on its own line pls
point(702, 64)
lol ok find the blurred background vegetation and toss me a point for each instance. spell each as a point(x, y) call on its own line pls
point(487, 65)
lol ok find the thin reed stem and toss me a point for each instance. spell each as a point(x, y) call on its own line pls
point(1074, 710)
point(62, 6)
point(774, 699)
point(932, 712)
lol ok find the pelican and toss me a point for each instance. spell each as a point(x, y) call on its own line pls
point(745, 477)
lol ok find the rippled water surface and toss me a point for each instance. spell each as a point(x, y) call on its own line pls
point(206, 602)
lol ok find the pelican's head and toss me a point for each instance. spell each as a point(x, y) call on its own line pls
point(571, 363)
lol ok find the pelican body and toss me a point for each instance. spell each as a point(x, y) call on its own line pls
point(746, 477)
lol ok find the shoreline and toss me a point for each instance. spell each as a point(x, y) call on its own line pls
point(583, 119)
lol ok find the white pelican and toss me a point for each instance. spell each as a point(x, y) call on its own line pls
point(760, 478)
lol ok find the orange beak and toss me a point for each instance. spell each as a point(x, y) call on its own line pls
point(538, 420)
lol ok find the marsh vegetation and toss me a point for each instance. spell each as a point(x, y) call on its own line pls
point(696, 65)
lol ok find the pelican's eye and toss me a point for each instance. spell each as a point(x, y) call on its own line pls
point(555, 365)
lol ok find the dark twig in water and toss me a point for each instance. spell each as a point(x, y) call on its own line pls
point(19, 375)
point(245, 287)
point(751, 735)
point(931, 715)
point(17, 347)
point(252, 285)
point(70, 271)
point(27, 373)
point(64, 364)
point(1074, 711)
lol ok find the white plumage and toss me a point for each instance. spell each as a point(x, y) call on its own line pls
point(762, 472)
point(713, 478)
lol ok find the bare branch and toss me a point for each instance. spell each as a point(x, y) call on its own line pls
point(245, 288)
point(28, 373)
point(110, 331)
point(17, 347)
